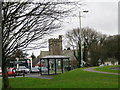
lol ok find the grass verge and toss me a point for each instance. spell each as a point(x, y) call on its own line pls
point(0, 83)
point(76, 78)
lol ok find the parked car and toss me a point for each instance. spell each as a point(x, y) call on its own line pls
point(10, 72)
point(23, 68)
point(43, 69)
point(34, 70)
point(102, 65)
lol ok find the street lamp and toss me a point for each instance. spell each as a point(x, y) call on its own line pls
point(81, 38)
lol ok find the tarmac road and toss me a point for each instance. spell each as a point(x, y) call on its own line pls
point(35, 75)
point(91, 70)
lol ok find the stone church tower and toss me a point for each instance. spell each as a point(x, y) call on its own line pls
point(55, 46)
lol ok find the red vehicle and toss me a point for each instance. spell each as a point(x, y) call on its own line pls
point(11, 71)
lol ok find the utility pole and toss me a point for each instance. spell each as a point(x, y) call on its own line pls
point(80, 35)
point(81, 38)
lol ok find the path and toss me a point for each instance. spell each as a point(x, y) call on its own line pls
point(91, 70)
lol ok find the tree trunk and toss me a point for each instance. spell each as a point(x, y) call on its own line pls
point(77, 56)
point(5, 75)
point(0, 34)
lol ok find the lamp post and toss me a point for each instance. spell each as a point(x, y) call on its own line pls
point(81, 38)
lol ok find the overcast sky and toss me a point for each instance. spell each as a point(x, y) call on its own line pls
point(102, 16)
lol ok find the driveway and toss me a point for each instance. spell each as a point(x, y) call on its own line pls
point(91, 70)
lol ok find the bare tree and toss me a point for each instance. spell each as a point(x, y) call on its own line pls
point(27, 22)
point(111, 48)
point(91, 40)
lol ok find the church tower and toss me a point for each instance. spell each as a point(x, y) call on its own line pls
point(55, 46)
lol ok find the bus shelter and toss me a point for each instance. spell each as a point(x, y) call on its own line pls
point(54, 64)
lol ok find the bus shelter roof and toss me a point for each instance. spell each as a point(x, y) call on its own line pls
point(55, 57)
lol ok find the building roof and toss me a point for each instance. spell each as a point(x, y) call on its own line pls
point(55, 57)
point(35, 61)
point(44, 53)
point(64, 52)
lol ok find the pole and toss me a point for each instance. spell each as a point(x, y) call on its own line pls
point(81, 40)
point(17, 62)
point(81, 37)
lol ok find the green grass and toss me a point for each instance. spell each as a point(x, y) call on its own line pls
point(107, 69)
point(0, 83)
point(74, 79)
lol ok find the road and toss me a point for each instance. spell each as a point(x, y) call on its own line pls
point(91, 70)
point(35, 75)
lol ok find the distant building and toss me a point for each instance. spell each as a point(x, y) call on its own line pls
point(111, 63)
point(55, 48)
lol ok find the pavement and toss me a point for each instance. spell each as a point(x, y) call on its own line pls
point(91, 70)
point(118, 68)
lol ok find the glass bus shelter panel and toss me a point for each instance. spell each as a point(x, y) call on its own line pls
point(51, 66)
point(58, 66)
point(44, 68)
point(65, 65)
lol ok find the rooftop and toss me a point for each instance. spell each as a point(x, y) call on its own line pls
point(55, 57)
